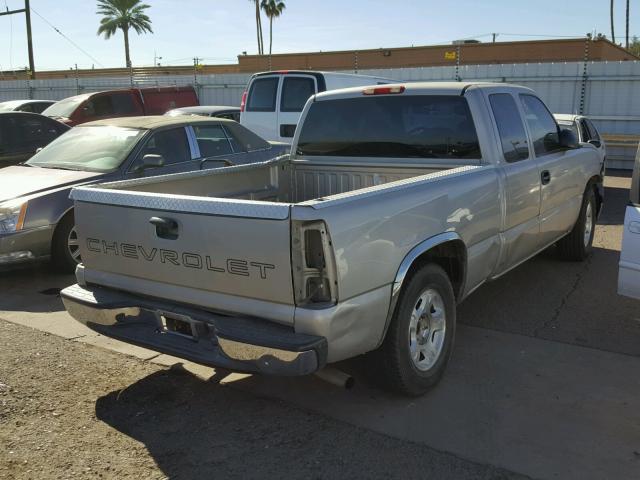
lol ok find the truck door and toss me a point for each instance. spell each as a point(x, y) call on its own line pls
point(260, 115)
point(295, 90)
point(520, 227)
point(629, 267)
point(561, 176)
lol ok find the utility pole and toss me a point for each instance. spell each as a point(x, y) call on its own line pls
point(494, 37)
point(27, 12)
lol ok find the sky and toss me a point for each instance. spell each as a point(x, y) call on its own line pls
point(220, 30)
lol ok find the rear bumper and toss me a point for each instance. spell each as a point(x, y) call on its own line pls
point(237, 343)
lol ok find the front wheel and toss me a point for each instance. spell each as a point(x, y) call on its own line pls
point(577, 245)
point(65, 250)
point(418, 345)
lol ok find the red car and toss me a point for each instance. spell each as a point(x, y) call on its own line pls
point(121, 103)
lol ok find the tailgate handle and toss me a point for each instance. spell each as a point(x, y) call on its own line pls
point(166, 228)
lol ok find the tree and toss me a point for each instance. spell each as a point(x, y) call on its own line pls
point(123, 15)
point(613, 33)
point(273, 9)
point(634, 46)
point(258, 27)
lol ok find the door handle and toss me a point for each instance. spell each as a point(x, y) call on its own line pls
point(545, 177)
point(166, 228)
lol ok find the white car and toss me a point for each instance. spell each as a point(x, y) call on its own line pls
point(585, 130)
point(629, 266)
point(273, 101)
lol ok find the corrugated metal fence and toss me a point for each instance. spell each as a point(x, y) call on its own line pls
point(609, 92)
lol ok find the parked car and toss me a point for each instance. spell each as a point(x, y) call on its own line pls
point(30, 106)
point(22, 134)
point(36, 214)
point(396, 203)
point(273, 101)
point(121, 103)
point(232, 113)
point(584, 130)
point(629, 265)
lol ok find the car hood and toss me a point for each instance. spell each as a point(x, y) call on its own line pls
point(19, 181)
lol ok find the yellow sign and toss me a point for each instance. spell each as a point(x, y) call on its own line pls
point(450, 55)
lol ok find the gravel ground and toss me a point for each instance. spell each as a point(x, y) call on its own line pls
point(69, 410)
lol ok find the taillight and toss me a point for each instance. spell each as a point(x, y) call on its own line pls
point(314, 270)
point(383, 90)
point(243, 102)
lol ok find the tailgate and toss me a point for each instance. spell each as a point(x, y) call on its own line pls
point(215, 246)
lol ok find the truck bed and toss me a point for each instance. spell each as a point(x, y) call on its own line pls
point(279, 180)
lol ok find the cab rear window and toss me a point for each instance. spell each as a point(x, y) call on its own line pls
point(425, 126)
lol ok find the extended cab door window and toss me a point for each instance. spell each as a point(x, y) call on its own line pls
point(510, 127)
point(542, 126)
point(295, 93)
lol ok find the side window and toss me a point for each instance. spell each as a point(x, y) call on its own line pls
point(35, 132)
point(510, 127)
point(123, 104)
point(262, 95)
point(592, 130)
point(295, 93)
point(584, 131)
point(212, 141)
point(171, 144)
point(98, 106)
point(6, 137)
point(27, 107)
point(542, 126)
point(39, 107)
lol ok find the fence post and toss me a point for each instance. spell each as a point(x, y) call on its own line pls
point(458, 79)
point(583, 83)
point(355, 61)
point(77, 81)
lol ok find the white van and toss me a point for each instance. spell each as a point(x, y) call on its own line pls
point(272, 102)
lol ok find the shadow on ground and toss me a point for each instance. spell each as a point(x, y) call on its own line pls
point(32, 288)
point(197, 429)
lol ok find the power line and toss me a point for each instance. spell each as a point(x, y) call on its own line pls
point(67, 38)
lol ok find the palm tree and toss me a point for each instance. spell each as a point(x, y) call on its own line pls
point(273, 9)
point(258, 26)
point(613, 33)
point(123, 15)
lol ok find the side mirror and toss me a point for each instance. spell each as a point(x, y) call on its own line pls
point(39, 149)
point(568, 139)
point(596, 143)
point(150, 160)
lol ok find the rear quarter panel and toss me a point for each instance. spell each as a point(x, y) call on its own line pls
point(373, 233)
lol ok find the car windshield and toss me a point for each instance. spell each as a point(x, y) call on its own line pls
point(8, 106)
point(64, 108)
point(88, 148)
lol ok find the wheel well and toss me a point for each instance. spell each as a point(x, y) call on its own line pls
point(593, 184)
point(65, 215)
point(452, 257)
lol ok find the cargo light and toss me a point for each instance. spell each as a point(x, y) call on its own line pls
point(383, 90)
point(243, 102)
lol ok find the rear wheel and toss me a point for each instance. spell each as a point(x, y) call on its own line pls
point(577, 245)
point(418, 344)
point(65, 249)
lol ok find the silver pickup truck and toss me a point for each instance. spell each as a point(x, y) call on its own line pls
point(396, 202)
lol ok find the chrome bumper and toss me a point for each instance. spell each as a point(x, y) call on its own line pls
point(236, 343)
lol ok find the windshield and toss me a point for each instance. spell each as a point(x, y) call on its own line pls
point(64, 108)
point(92, 149)
point(8, 106)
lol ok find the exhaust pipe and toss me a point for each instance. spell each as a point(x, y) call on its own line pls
point(336, 377)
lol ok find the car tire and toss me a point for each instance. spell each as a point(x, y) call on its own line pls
point(577, 245)
point(64, 254)
point(418, 344)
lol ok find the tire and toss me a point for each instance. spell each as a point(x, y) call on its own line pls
point(577, 245)
point(65, 257)
point(411, 363)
